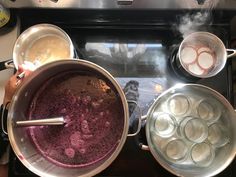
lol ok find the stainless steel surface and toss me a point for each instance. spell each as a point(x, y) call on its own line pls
point(22, 146)
point(26, 43)
point(39, 122)
point(124, 2)
point(188, 168)
point(214, 43)
point(21, 75)
point(9, 64)
point(232, 52)
point(114, 4)
point(144, 147)
point(31, 35)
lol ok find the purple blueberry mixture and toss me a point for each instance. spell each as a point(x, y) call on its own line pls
point(93, 114)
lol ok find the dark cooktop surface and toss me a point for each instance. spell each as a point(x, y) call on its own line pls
point(139, 58)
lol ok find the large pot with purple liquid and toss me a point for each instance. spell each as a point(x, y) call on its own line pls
point(96, 119)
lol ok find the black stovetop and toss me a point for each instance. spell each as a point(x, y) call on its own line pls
point(139, 58)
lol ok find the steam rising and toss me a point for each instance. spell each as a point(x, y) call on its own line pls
point(193, 22)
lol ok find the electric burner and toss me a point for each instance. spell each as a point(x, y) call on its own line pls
point(176, 67)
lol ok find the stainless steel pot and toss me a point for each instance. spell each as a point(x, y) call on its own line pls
point(213, 43)
point(33, 45)
point(191, 131)
point(19, 139)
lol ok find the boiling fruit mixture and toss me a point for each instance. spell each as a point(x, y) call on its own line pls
point(93, 114)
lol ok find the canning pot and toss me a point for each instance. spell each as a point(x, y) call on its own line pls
point(191, 131)
point(42, 43)
point(22, 144)
point(202, 55)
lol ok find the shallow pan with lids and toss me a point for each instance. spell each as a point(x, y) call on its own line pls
point(191, 131)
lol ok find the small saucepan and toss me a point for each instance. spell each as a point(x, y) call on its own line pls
point(41, 43)
point(202, 55)
point(191, 131)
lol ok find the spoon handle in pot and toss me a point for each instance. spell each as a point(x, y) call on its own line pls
point(39, 122)
point(21, 75)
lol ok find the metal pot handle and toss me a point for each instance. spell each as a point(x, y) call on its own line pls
point(9, 64)
point(231, 53)
point(139, 119)
point(142, 145)
point(4, 117)
point(6, 64)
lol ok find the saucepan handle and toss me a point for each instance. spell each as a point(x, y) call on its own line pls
point(231, 53)
point(139, 118)
point(9, 64)
point(2, 65)
point(6, 64)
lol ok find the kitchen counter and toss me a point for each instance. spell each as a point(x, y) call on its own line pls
point(7, 40)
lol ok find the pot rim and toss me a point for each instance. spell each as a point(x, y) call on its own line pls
point(158, 158)
point(105, 73)
point(42, 26)
point(219, 42)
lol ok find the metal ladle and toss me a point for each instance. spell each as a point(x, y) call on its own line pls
point(40, 122)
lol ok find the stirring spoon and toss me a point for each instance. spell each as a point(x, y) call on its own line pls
point(40, 122)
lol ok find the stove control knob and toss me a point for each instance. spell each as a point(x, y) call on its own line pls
point(124, 2)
